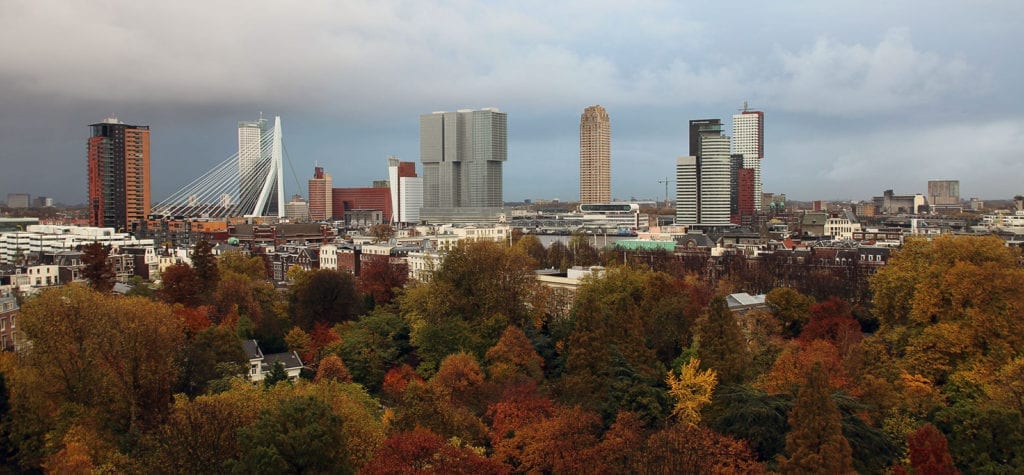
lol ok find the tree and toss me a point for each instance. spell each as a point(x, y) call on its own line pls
point(816, 443)
point(332, 368)
point(513, 358)
point(833, 321)
point(234, 261)
point(721, 345)
point(326, 296)
point(422, 451)
point(210, 354)
point(7, 448)
point(205, 265)
point(98, 270)
point(583, 253)
point(180, 285)
point(791, 308)
point(299, 435)
point(381, 279)
point(531, 246)
point(480, 288)
point(199, 434)
point(300, 342)
point(559, 256)
point(460, 380)
point(372, 345)
point(929, 453)
point(691, 389)
point(689, 449)
point(111, 354)
point(381, 232)
point(276, 375)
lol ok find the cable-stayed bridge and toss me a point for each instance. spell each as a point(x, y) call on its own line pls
point(248, 183)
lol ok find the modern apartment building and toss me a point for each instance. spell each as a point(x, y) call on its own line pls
point(462, 154)
point(748, 141)
point(595, 156)
point(320, 195)
point(118, 156)
point(704, 179)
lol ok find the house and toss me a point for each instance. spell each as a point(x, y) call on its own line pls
point(9, 337)
point(260, 364)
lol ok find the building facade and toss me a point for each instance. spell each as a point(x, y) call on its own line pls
point(18, 200)
point(347, 200)
point(748, 141)
point(704, 179)
point(320, 195)
point(943, 193)
point(406, 191)
point(462, 154)
point(118, 156)
point(595, 156)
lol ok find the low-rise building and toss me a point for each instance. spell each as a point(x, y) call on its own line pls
point(260, 364)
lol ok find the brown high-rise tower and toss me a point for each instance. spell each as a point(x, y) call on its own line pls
point(595, 156)
point(118, 174)
point(320, 187)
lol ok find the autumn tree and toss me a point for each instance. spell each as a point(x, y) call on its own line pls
point(583, 253)
point(381, 279)
point(513, 358)
point(929, 452)
point(816, 443)
point(479, 289)
point(721, 345)
point(112, 354)
point(381, 232)
point(97, 269)
point(559, 256)
point(531, 246)
point(199, 434)
point(691, 388)
point(234, 261)
point(422, 451)
point(332, 368)
point(179, 284)
point(790, 307)
point(326, 296)
point(689, 449)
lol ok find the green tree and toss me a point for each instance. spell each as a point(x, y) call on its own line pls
point(8, 452)
point(721, 345)
point(276, 375)
point(211, 354)
point(327, 296)
point(816, 443)
point(298, 435)
point(205, 265)
point(372, 345)
point(98, 270)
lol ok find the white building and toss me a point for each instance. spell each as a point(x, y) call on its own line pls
point(260, 364)
point(704, 185)
point(329, 257)
point(840, 228)
point(748, 140)
point(250, 159)
point(45, 238)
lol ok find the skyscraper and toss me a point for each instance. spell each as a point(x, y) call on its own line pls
point(704, 179)
point(320, 198)
point(595, 156)
point(118, 157)
point(406, 191)
point(462, 154)
point(252, 145)
point(748, 140)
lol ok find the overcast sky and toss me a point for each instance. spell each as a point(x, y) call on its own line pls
point(858, 97)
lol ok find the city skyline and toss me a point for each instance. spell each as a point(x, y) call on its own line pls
point(860, 99)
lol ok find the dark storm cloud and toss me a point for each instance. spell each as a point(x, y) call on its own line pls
point(852, 93)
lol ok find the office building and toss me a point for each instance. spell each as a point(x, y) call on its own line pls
point(349, 201)
point(406, 191)
point(119, 192)
point(748, 141)
point(595, 156)
point(320, 195)
point(254, 161)
point(18, 200)
point(297, 210)
point(704, 179)
point(462, 154)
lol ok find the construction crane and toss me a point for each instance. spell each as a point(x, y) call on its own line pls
point(666, 181)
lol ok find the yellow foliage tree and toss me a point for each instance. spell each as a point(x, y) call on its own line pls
point(691, 389)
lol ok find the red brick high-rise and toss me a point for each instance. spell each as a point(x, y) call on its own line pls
point(345, 199)
point(119, 192)
point(320, 196)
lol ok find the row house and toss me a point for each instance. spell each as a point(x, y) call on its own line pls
point(9, 337)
